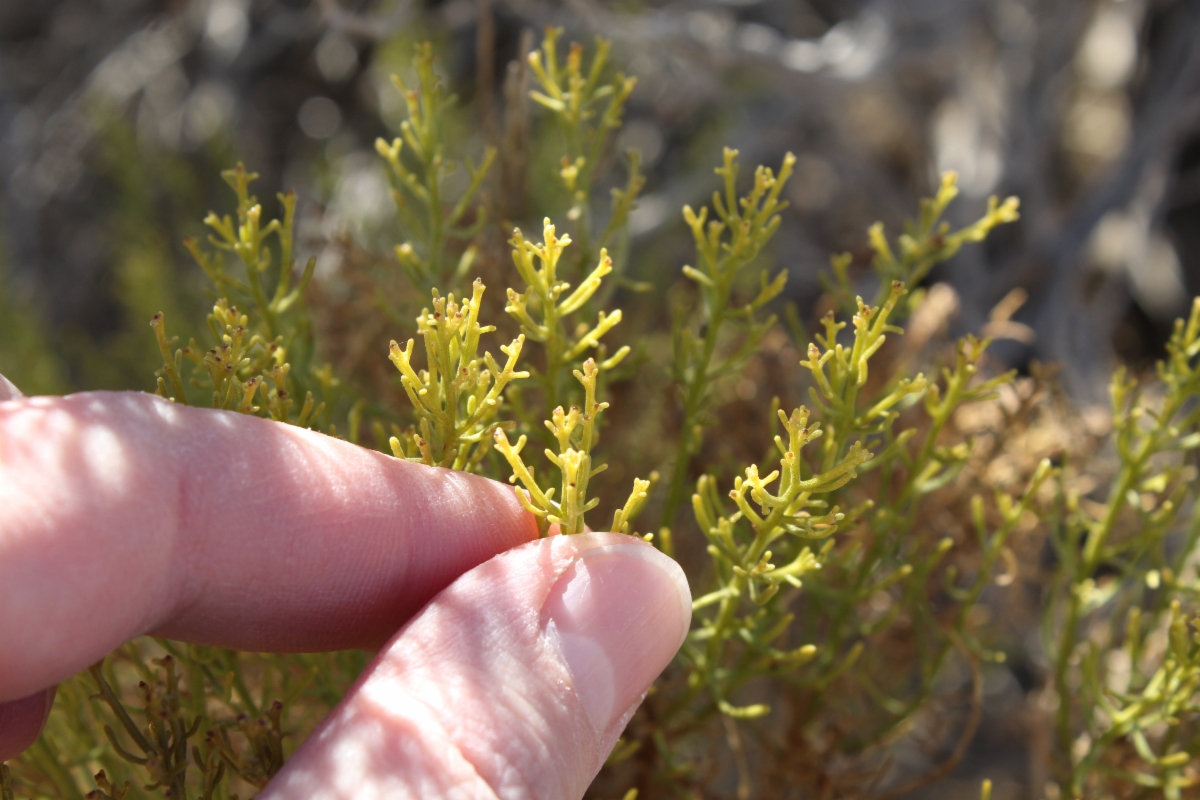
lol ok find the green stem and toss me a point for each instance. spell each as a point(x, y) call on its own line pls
point(723, 622)
point(1070, 631)
point(1066, 646)
point(437, 233)
point(691, 408)
point(584, 227)
point(260, 299)
point(554, 354)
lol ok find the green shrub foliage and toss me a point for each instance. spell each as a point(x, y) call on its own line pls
point(847, 583)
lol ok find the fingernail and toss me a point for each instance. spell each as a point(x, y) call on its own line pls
point(620, 613)
point(50, 695)
point(8, 391)
point(21, 721)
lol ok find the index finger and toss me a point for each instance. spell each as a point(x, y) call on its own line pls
point(123, 514)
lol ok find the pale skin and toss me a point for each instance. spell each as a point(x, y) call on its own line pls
point(507, 666)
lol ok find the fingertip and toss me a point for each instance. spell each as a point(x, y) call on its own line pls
point(618, 615)
point(219, 528)
point(514, 682)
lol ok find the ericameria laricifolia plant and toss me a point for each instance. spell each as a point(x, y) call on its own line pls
point(727, 245)
point(246, 356)
point(1122, 626)
point(543, 311)
point(429, 219)
point(575, 432)
point(745, 568)
point(589, 110)
point(926, 242)
point(457, 398)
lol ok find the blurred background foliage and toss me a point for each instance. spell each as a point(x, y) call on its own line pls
point(116, 117)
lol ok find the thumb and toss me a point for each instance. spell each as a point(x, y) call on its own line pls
point(514, 682)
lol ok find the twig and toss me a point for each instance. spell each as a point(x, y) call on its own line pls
point(964, 740)
point(734, 739)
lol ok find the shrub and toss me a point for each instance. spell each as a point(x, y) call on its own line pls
point(859, 561)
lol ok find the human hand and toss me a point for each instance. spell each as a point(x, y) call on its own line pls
point(122, 514)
